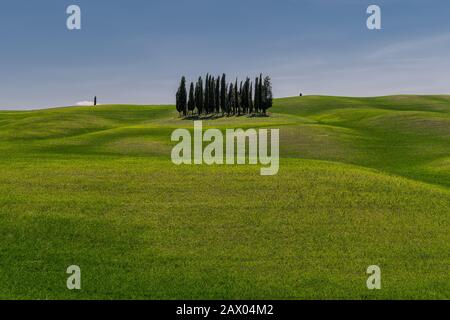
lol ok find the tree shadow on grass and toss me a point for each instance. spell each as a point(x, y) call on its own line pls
point(203, 117)
point(220, 116)
point(258, 115)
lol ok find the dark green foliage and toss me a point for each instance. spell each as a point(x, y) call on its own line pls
point(223, 94)
point(206, 101)
point(191, 101)
point(212, 98)
point(250, 98)
point(257, 101)
point(236, 99)
point(246, 97)
point(230, 102)
point(199, 95)
point(240, 99)
point(267, 96)
point(182, 97)
point(260, 92)
point(218, 97)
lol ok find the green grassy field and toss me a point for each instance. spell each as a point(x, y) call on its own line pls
point(362, 181)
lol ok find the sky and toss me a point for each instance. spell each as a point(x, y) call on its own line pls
point(135, 51)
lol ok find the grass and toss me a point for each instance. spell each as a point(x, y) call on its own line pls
point(362, 181)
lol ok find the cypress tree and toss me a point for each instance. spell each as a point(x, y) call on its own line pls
point(246, 95)
point(196, 89)
point(236, 98)
point(191, 101)
point(240, 99)
point(250, 97)
point(212, 98)
point(206, 100)
point(217, 95)
point(257, 103)
point(177, 105)
point(230, 99)
point(260, 93)
point(244, 99)
point(199, 96)
point(223, 94)
point(267, 99)
point(182, 97)
point(210, 95)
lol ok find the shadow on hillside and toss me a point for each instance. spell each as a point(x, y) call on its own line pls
point(258, 115)
point(204, 117)
point(220, 116)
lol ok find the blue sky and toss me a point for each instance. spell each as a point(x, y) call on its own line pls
point(135, 51)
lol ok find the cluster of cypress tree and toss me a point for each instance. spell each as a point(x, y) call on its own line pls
point(217, 96)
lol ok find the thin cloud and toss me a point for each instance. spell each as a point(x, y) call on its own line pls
point(406, 48)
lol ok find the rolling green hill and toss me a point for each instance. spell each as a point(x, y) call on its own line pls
point(362, 181)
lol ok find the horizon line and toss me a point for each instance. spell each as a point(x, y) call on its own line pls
point(19, 109)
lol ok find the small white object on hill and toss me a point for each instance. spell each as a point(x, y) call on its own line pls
point(85, 103)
